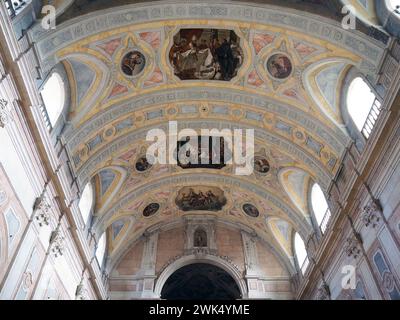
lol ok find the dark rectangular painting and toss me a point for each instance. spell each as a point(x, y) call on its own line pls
point(210, 154)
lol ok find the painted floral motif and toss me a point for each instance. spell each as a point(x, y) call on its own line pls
point(153, 38)
point(155, 78)
point(117, 90)
point(135, 206)
point(303, 49)
point(132, 181)
point(254, 79)
point(110, 46)
point(128, 155)
point(261, 40)
point(163, 195)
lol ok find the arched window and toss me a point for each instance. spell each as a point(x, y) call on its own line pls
point(301, 253)
point(320, 207)
point(101, 249)
point(395, 4)
point(86, 202)
point(53, 96)
point(363, 106)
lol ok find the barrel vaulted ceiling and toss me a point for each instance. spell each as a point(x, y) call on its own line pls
point(297, 119)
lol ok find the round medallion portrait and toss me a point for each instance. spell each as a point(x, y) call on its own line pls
point(142, 164)
point(279, 66)
point(133, 63)
point(251, 210)
point(261, 164)
point(151, 209)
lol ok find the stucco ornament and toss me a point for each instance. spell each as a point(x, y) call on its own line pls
point(5, 116)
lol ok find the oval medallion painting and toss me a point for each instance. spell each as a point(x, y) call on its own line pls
point(279, 66)
point(261, 164)
point(151, 209)
point(133, 63)
point(142, 164)
point(251, 210)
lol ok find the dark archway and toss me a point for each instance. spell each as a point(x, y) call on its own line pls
point(200, 281)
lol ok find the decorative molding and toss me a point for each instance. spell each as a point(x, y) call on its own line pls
point(81, 292)
point(27, 280)
point(352, 246)
point(57, 243)
point(371, 215)
point(49, 42)
point(388, 281)
point(322, 173)
point(3, 197)
point(324, 292)
point(303, 225)
point(250, 251)
point(334, 137)
point(150, 253)
point(200, 253)
point(42, 211)
point(5, 116)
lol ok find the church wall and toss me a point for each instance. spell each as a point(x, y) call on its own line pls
point(13, 219)
point(394, 223)
point(50, 286)
point(131, 262)
point(374, 215)
point(170, 245)
point(133, 277)
point(274, 280)
point(46, 251)
point(13, 170)
point(21, 249)
point(229, 243)
point(30, 213)
point(375, 239)
point(268, 263)
point(26, 252)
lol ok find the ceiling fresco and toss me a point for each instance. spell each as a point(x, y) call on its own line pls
point(135, 68)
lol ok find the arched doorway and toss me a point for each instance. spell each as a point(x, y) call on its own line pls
point(200, 281)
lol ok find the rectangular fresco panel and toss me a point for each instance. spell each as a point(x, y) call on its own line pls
point(206, 54)
point(200, 198)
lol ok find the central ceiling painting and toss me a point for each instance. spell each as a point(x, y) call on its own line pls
point(206, 54)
